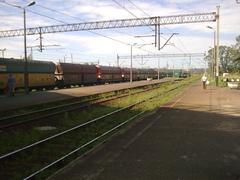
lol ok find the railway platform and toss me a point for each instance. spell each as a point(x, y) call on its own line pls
point(195, 136)
point(42, 97)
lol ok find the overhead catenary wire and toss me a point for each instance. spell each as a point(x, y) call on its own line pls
point(145, 14)
point(140, 9)
point(74, 17)
point(120, 5)
point(99, 34)
point(126, 9)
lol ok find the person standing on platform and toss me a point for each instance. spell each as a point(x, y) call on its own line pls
point(204, 80)
point(11, 85)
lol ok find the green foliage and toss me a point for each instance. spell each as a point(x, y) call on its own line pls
point(229, 57)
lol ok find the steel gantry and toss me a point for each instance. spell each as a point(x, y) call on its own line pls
point(120, 23)
point(165, 55)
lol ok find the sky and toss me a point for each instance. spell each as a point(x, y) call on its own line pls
point(85, 46)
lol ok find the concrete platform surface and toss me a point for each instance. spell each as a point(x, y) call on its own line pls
point(41, 97)
point(196, 136)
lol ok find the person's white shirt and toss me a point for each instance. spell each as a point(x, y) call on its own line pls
point(204, 78)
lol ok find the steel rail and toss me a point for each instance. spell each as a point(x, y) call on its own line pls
point(66, 131)
point(82, 105)
point(95, 139)
point(83, 146)
point(70, 104)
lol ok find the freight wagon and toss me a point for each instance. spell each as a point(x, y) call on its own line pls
point(45, 74)
point(107, 74)
point(143, 74)
point(126, 74)
point(40, 73)
point(68, 74)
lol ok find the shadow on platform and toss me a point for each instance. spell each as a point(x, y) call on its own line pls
point(172, 143)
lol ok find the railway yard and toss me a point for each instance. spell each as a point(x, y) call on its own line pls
point(91, 120)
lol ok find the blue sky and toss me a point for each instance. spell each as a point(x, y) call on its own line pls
point(89, 47)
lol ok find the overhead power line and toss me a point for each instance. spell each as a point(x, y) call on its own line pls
point(140, 9)
point(120, 5)
point(46, 16)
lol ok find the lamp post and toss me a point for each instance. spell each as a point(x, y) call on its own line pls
point(3, 52)
point(214, 55)
point(217, 44)
point(131, 66)
point(25, 43)
point(158, 69)
point(131, 73)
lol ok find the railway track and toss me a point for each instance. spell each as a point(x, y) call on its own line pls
point(44, 155)
point(21, 119)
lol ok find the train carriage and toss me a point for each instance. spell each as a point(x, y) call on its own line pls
point(116, 74)
point(68, 74)
point(89, 74)
point(108, 74)
point(45, 74)
point(40, 73)
point(126, 74)
point(146, 73)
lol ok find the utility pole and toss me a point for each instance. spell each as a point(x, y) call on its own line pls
point(131, 66)
point(215, 56)
point(173, 71)
point(2, 50)
point(71, 58)
point(40, 38)
point(26, 80)
point(217, 49)
point(117, 60)
point(159, 32)
point(190, 63)
point(214, 61)
point(158, 70)
point(31, 53)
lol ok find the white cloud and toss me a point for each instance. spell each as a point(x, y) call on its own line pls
point(87, 45)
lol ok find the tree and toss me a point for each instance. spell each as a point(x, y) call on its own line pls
point(237, 45)
point(229, 57)
point(236, 57)
point(210, 59)
point(226, 56)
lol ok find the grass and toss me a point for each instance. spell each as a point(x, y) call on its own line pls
point(33, 108)
point(50, 151)
point(222, 80)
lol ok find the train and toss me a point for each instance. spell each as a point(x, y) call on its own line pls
point(49, 75)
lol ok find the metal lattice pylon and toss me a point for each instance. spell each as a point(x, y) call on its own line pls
point(120, 23)
point(163, 55)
